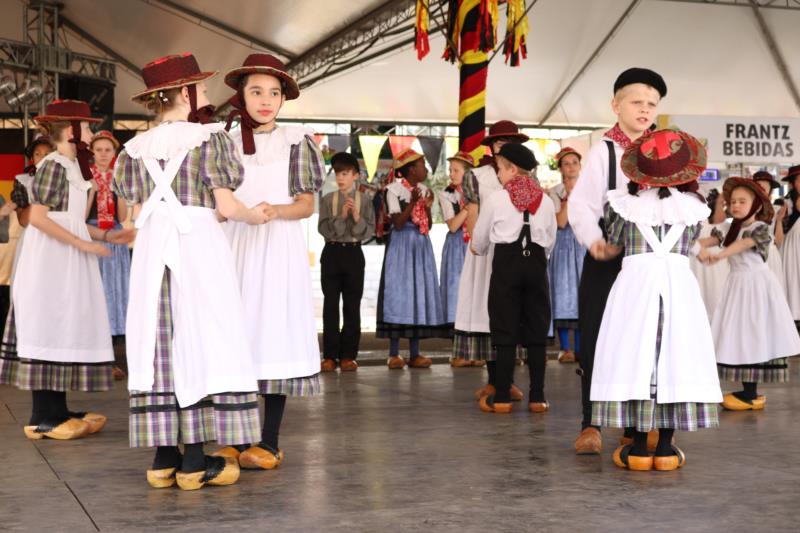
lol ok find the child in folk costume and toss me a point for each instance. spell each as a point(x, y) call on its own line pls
point(106, 211)
point(57, 338)
point(20, 202)
point(190, 368)
point(283, 169)
point(409, 302)
point(520, 221)
point(654, 362)
point(454, 212)
point(637, 93)
point(791, 243)
point(346, 219)
point(566, 262)
point(753, 328)
point(774, 260)
point(472, 337)
point(711, 278)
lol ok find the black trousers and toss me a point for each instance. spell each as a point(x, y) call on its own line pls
point(342, 276)
point(596, 281)
point(519, 312)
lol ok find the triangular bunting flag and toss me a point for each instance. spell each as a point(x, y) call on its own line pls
point(400, 143)
point(432, 148)
point(450, 146)
point(319, 139)
point(371, 146)
point(339, 143)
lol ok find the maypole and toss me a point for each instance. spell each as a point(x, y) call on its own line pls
point(471, 37)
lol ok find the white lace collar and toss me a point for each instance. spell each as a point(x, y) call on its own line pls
point(648, 209)
point(169, 139)
point(72, 169)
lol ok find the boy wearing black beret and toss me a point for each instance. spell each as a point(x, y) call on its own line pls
point(520, 221)
point(637, 93)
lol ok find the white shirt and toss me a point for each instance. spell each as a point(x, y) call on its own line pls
point(588, 198)
point(396, 191)
point(501, 222)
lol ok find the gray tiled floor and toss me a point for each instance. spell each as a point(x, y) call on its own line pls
point(409, 451)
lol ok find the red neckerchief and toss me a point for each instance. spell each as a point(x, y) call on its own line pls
point(461, 203)
point(526, 194)
point(618, 136)
point(419, 215)
point(105, 198)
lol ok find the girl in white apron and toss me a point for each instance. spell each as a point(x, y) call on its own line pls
point(711, 278)
point(454, 213)
point(471, 336)
point(753, 328)
point(284, 168)
point(654, 364)
point(58, 338)
point(190, 368)
point(790, 251)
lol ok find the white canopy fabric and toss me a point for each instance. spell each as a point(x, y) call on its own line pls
point(713, 57)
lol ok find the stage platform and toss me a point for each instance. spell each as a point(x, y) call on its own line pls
point(387, 451)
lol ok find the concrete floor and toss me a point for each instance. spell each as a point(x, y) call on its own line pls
point(409, 451)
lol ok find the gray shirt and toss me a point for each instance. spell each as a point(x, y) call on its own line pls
point(334, 228)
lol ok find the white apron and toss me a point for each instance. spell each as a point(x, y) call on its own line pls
point(774, 259)
point(59, 303)
point(791, 269)
point(210, 354)
point(275, 277)
point(472, 307)
point(710, 278)
point(625, 353)
point(753, 323)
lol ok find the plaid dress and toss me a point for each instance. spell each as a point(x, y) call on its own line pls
point(645, 415)
point(155, 417)
point(51, 188)
point(776, 370)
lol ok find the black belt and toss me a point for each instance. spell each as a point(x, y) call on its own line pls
point(343, 244)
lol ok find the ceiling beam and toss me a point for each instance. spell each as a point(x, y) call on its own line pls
point(585, 67)
point(763, 4)
point(218, 24)
point(100, 45)
point(777, 57)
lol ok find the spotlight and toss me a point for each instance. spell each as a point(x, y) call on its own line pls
point(7, 86)
point(28, 95)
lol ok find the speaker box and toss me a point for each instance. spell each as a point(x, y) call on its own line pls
point(97, 93)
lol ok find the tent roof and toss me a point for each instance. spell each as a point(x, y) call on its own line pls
point(714, 57)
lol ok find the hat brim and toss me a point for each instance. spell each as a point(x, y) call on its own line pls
point(767, 211)
point(790, 177)
point(470, 163)
point(398, 164)
point(689, 173)
point(487, 141)
point(176, 84)
point(233, 77)
point(64, 118)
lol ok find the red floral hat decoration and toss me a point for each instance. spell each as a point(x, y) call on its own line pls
point(664, 158)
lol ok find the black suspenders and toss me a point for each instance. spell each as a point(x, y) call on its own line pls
point(612, 166)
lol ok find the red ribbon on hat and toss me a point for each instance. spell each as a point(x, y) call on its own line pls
point(247, 122)
point(82, 151)
point(205, 114)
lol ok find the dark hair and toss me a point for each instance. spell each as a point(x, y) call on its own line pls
point(711, 202)
point(161, 101)
point(243, 81)
point(342, 162)
point(663, 192)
